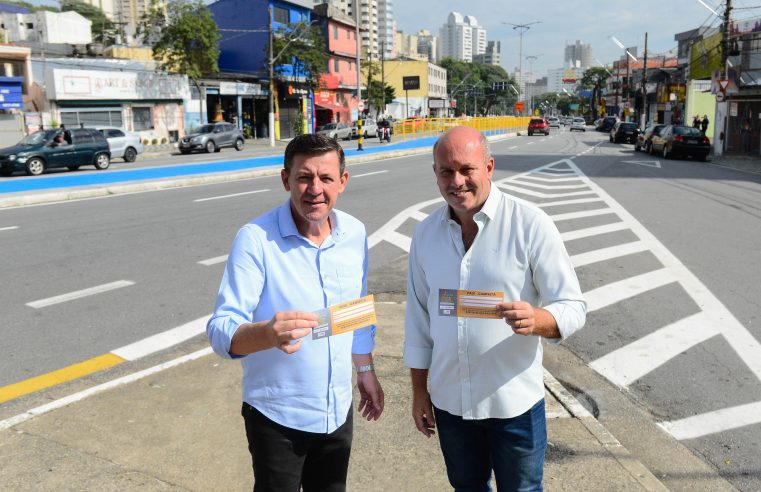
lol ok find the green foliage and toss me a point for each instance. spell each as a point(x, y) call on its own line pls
point(184, 37)
point(468, 81)
point(298, 126)
point(379, 95)
point(595, 78)
point(155, 141)
point(301, 46)
point(103, 30)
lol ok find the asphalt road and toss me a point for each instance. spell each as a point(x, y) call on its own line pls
point(667, 253)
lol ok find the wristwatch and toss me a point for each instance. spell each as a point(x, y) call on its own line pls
point(367, 368)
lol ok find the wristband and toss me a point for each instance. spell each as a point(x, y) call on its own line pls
point(367, 368)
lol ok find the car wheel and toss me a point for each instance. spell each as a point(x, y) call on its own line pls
point(102, 162)
point(210, 147)
point(35, 166)
point(130, 155)
point(184, 152)
point(610, 139)
point(239, 144)
point(73, 168)
point(649, 148)
point(665, 152)
point(637, 147)
point(530, 133)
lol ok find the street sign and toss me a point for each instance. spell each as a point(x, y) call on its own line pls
point(520, 106)
point(411, 83)
point(361, 106)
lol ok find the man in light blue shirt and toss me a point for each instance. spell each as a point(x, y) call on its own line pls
point(478, 381)
point(296, 259)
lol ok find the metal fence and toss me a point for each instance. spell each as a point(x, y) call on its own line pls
point(430, 127)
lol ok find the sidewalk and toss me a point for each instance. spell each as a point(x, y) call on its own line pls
point(180, 429)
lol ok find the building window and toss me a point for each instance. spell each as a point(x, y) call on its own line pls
point(281, 15)
point(92, 117)
point(29, 25)
point(348, 34)
point(335, 32)
point(142, 118)
point(336, 65)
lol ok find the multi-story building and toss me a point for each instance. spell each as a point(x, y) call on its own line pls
point(386, 28)
point(406, 46)
point(428, 100)
point(461, 38)
point(426, 45)
point(492, 55)
point(46, 27)
point(376, 24)
point(579, 55)
point(107, 6)
point(335, 100)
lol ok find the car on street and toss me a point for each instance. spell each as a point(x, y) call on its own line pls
point(369, 128)
point(47, 149)
point(123, 144)
point(538, 125)
point(644, 138)
point(680, 140)
point(335, 131)
point(624, 131)
point(606, 124)
point(212, 138)
point(578, 125)
point(553, 121)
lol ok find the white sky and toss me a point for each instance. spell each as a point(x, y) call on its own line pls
point(565, 21)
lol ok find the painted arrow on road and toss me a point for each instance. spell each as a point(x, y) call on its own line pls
point(645, 163)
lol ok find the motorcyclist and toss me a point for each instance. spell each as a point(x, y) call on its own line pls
point(385, 129)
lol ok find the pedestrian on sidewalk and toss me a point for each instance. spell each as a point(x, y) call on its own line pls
point(704, 124)
point(486, 391)
point(298, 258)
point(696, 122)
point(745, 133)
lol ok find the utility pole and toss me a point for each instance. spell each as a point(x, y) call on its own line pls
point(626, 81)
point(383, 75)
point(725, 40)
point(521, 28)
point(272, 83)
point(644, 115)
point(356, 35)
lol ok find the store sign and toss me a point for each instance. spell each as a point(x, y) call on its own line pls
point(435, 103)
point(240, 89)
point(98, 85)
point(411, 83)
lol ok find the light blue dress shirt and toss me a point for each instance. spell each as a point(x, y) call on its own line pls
point(272, 268)
point(478, 368)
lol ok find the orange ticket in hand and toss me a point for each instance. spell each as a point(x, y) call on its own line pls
point(469, 303)
point(344, 317)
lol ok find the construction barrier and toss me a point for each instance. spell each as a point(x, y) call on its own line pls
point(412, 128)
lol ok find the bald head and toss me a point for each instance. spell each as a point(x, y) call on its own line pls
point(463, 138)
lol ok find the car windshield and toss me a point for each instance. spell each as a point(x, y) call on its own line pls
point(628, 126)
point(578, 120)
point(329, 126)
point(687, 130)
point(206, 129)
point(536, 122)
point(37, 138)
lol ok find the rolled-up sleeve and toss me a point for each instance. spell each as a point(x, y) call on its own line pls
point(364, 338)
point(555, 279)
point(239, 292)
point(418, 344)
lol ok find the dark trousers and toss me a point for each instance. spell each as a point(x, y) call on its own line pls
point(289, 460)
point(513, 448)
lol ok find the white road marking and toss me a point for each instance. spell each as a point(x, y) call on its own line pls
point(713, 422)
point(594, 231)
point(627, 288)
point(530, 143)
point(603, 254)
point(573, 201)
point(229, 196)
point(552, 187)
point(418, 215)
point(639, 358)
point(68, 400)
point(388, 230)
point(539, 194)
point(99, 289)
point(163, 340)
point(549, 180)
point(9, 228)
point(513, 147)
point(581, 215)
point(213, 261)
point(368, 174)
point(645, 163)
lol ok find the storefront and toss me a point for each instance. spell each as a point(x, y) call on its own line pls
point(331, 107)
point(742, 110)
point(243, 104)
point(293, 111)
point(146, 103)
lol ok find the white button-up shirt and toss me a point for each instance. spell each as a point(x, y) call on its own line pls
point(478, 368)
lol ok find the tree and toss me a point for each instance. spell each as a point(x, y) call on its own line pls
point(487, 86)
point(379, 95)
point(103, 29)
point(594, 78)
point(300, 47)
point(185, 37)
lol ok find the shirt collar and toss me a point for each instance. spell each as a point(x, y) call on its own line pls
point(288, 226)
point(489, 208)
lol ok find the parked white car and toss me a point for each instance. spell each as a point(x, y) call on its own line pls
point(122, 143)
point(335, 131)
point(369, 128)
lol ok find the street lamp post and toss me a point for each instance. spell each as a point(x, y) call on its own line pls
point(521, 28)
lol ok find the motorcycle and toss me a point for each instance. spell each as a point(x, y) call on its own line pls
point(384, 133)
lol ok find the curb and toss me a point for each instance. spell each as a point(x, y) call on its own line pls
point(59, 196)
point(636, 469)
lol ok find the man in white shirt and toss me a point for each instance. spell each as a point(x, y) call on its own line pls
point(486, 391)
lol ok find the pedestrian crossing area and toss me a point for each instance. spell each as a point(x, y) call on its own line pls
point(645, 308)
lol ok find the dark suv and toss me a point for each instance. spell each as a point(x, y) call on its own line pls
point(47, 149)
point(212, 138)
point(624, 132)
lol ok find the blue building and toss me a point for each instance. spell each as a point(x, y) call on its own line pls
point(244, 59)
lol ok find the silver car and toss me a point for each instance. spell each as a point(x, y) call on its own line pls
point(579, 125)
point(122, 143)
point(369, 128)
point(212, 138)
point(335, 131)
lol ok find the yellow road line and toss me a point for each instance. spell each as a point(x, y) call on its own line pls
point(59, 376)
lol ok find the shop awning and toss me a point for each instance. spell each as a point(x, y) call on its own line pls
point(332, 107)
